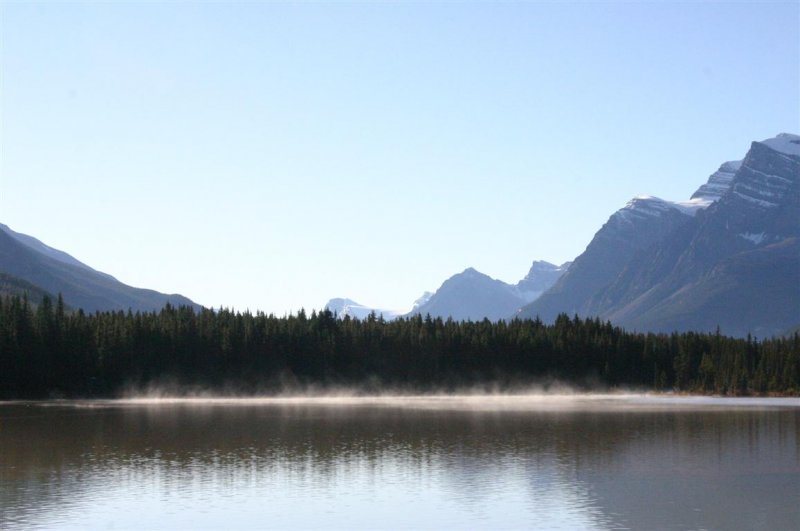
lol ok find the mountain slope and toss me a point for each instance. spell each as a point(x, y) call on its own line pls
point(728, 257)
point(727, 296)
point(41, 248)
point(636, 226)
point(719, 182)
point(28, 259)
point(737, 265)
point(472, 295)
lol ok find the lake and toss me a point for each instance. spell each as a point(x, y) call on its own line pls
point(435, 462)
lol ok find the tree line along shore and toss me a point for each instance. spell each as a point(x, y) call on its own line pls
point(48, 351)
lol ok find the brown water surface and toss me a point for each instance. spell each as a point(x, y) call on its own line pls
point(571, 462)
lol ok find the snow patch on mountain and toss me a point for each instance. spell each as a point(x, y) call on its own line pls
point(785, 143)
point(692, 206)
point(422, 300)
point(347, 307)
point(541, 277)
point(755, 238)
point(644, 206)
point(344, 307)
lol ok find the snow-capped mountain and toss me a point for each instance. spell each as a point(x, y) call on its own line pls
point(350, 308)
point(736, 266)
point(729, 257)
point(422, 300)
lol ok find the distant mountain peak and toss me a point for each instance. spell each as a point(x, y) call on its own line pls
point(336, 304)
point(475, 295)
point(542, 265)
point(344, 307)
point(541, 277)
point(422, 300)
point(469, 294)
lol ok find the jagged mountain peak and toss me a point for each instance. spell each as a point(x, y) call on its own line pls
point(542, 269)
point(542, 265)
point(736, 267)
point(643, 222)
point(422, 300)
point(541, 276)
point(768, 173)
point(719, 182)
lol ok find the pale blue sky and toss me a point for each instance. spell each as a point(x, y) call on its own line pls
point(274, 155)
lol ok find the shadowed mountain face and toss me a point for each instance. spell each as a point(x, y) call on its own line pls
point(736, 266)
point(631, 229)
point(54, 271)
point(12, 286)
point(755, 292)
point(735, 263)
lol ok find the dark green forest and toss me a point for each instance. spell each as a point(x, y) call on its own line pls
point(47, 351)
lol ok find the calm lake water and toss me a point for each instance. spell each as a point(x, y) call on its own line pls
point(586, 462)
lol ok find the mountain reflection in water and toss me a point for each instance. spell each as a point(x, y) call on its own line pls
point(433, 462)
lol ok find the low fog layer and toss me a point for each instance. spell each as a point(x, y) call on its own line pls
point(562, 399)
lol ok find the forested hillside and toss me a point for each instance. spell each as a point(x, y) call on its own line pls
point(47, 351)
point(10, 286)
